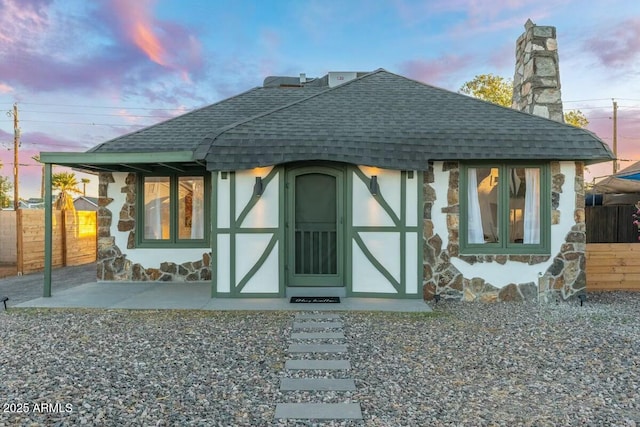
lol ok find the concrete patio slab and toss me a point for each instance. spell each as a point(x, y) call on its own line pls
point(317, 348)
point(318, 411)
point(310, 364)
point(316, 325)
point(317, 384)
point(317, 335)
point(317, 316)
point(197, 295)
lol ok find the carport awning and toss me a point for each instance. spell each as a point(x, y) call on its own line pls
point(180, 161)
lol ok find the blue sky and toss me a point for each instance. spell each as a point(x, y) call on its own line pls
point(83, 72)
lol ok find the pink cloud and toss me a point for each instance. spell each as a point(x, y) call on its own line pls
point(435, 71)
point(481, 15)
point(4, 88)
point(619, 47)
point(93, 58)
point(22, 19)
point(167, 44)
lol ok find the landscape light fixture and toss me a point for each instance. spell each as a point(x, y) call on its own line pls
point(374, 188)
point(258, 187)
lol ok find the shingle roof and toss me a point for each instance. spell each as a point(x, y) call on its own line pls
point(386, 120)
point(185, 132)
point(380, 119)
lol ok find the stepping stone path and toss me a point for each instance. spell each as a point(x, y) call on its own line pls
point(323, 327)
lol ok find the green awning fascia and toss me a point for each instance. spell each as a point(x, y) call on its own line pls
point(78, 159)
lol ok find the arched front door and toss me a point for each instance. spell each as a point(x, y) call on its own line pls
point(315, 222)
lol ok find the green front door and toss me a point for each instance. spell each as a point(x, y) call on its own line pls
point(314, 226)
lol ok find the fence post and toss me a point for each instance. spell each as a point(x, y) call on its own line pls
point(19, 243)
point(63, 236)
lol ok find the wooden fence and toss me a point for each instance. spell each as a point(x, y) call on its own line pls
point(8, 236)
point(74, 239)
point(610, 224)
point(613, 266)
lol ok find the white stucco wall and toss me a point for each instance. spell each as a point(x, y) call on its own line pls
point(367, 212)
point(250, 247)
point(384, 245)
point(500, 275)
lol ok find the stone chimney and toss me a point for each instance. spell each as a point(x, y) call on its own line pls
point(536, 83)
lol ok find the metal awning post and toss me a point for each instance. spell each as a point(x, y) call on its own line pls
point(48, 231)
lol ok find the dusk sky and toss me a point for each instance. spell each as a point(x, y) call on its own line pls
point(83, 72)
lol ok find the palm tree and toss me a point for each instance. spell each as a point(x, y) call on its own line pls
point(85, 181)
point(66, 183)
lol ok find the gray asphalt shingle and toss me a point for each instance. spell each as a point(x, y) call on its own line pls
point(387, 120)
point(381, 119)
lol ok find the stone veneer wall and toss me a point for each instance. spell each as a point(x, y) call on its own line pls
point(536, 82)
point(113, 264)
point(563, 279)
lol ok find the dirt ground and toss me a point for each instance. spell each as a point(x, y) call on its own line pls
point(7, 270)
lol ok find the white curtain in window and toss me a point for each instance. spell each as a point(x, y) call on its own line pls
point(474, 216)
point(532, 206)
point(197, 209)
point(153, 211)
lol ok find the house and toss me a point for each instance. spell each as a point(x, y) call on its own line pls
point(356, 184)
point(85, 203)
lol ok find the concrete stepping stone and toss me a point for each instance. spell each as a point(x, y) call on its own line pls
point(316, 325)
point(316, 335)
point(302, 316)
point(317, 348)
point(319, 411)
point(302, 364)
point(317, 384)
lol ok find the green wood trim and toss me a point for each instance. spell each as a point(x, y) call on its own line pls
point(389, 228)
point(214, 233)
point(384, 295)
point(282, 232)
point(232, 234)
point(377, 265)
point(256, 230)
point(420, 238)
point(503, 247)
point(57, 158)
point(380, 198)
point(48, 231)
point(349, 231)
point(173, 241)
point(254, 200)
point(258, 264)
point(403, 232)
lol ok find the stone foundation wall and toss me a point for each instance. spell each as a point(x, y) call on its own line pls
point(563, 279)
point(113, 263)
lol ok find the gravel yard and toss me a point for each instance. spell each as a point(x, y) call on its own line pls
point(464, 364)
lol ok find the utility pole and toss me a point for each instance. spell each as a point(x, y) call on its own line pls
point(615, 136)
point(16, 145)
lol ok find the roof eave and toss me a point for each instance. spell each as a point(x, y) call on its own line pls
point(112, 162)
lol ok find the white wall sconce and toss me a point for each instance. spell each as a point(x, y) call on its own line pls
point(374, 189)
point(258, 187)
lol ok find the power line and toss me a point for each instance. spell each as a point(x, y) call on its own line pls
point(103, 106)
point(83, 123)
point(91, 114)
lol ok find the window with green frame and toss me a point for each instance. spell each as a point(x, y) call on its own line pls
point(505, 208)
point(173, 209)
